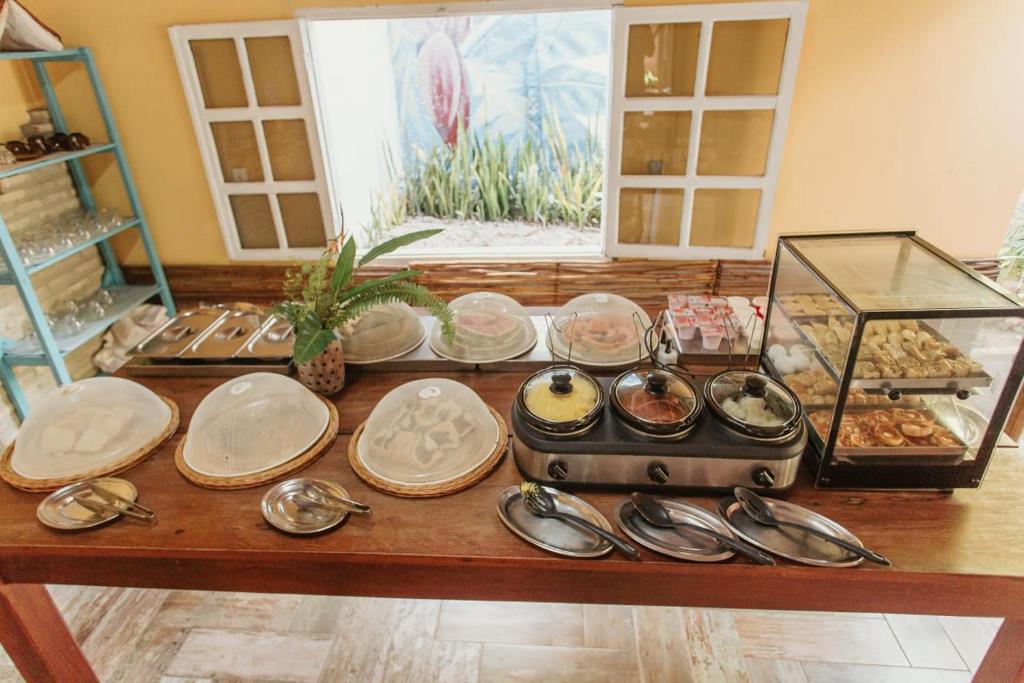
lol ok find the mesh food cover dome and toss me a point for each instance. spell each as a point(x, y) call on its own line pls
point(90, 424)
point(253, 423)
point(488, 327)
point(604, 329)
point(384, 332)
point(427, 432)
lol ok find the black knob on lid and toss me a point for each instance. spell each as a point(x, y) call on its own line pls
point(963, 394)
point(895, 394)
point(656, 383)
point(561, 383)
point(754, 386)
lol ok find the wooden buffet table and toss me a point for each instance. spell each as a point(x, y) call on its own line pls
point(960, 554)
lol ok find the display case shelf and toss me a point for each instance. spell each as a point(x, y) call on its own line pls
point(881, 385)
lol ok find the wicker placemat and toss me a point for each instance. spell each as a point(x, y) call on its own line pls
point(431, 490)
point(134, 458)
point(259, 478)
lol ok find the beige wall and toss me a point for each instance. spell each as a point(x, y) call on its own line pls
point(907, 113)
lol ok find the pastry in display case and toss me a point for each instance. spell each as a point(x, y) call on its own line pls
point(598, 330)
point(489, 327)
point(900, 354)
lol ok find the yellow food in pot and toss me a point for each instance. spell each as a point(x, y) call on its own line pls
point(547, 405)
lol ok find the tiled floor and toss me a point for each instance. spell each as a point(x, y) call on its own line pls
point(136, 635)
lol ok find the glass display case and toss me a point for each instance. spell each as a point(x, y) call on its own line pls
point(906, 361)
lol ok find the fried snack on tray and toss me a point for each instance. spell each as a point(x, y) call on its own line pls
point(890, 428)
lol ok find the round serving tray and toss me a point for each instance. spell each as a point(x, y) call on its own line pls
point(444, 488)
point(532, 332)
point(555, 535)
point(134, 458)
point(60, 511)
point(682, 543)
point(283, 512)
point(258, 478)
point(791, 544)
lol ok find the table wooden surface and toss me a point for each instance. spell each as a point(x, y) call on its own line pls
point(952, 554)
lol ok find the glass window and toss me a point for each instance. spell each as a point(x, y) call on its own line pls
point(650, 216)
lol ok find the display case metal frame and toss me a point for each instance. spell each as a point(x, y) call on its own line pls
point(833, 474)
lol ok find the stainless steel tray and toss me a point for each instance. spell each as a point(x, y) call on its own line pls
point(554, 535)
point(59, 510)
point(225, 337)
point(682, 544)
point(792, 544)
point(178, 333)
point(902, 454)
point(285, 507)
point(274, 339)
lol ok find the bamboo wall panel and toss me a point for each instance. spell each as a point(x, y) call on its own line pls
point(542, 283)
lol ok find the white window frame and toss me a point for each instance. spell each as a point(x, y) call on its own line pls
point(618, 104)
point(203, 117)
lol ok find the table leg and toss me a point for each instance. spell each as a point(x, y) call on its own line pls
point(37, 639)
point(1004, 661)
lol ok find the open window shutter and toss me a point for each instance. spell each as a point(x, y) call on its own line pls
point(698, 111)
point(249, 95)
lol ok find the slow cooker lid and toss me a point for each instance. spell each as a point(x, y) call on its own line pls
point(561, 395)
point(656, 397)
point(753, 402)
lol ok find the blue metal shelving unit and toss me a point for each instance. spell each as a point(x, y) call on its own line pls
point(46, 349)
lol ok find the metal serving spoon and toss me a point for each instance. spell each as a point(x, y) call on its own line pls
point(758, 510)
point(539, 502)
point(319, 493)
point(655, 514)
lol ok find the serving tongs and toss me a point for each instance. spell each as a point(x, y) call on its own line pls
point(317, 495)
point(113, 503)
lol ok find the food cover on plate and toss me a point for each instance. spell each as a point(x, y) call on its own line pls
point(427, 432)
point(384, 332)
point(605, 330)
point(489, 327)
point(253, 423)
point(656, 401)
point(753, 403)
point(86, 425)
point(561, 400)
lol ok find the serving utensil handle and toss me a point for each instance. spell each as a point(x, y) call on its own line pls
point(744, 549)
point(846, 545)
point(620, 545)
point(350, 505)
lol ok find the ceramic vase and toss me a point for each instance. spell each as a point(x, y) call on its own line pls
point(325, 374)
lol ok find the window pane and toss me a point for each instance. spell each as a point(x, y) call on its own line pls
point(724, 218)
point(734, 142)
point(288, 149)
point(746, 57)
point(655, 143)
point(253, 220)
point(650, 216)
point(661, 60)
point(237, 151)
point(220, 76)
point(303, 222)
point(273, 73)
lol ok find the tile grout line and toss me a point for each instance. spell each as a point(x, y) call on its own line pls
point(956, 647)
point(899, 643)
